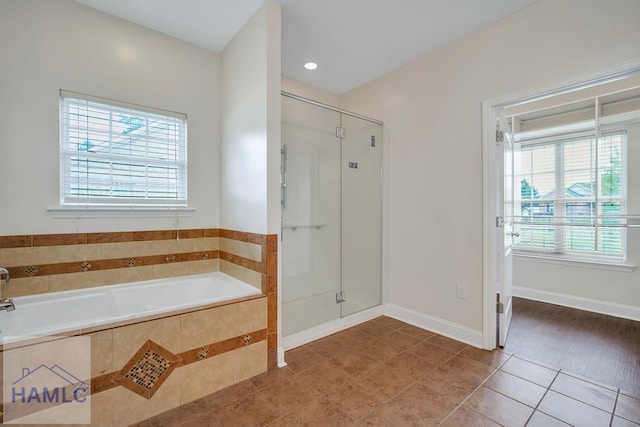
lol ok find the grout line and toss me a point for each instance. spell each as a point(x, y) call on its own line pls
point(542, 398)
point(476, 389)
point(615, 405)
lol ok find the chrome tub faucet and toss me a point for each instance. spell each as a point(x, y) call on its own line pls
point(6, 304)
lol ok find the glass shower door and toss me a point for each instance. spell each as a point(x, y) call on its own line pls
point(310, 215)
point(361, 214)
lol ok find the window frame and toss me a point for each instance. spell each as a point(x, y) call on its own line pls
point(134, 206)
point(560, 253)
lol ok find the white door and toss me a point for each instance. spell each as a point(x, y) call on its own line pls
point(505, 208)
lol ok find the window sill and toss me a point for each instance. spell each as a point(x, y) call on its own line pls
point(573, 262)
point(65, 212)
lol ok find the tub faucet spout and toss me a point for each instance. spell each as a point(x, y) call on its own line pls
point(7, 305)
point(4, 272)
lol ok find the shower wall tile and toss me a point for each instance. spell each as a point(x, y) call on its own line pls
point(128, 339)
point(251, 361)
point(221, 323)
point(102, 352)
point(241, 273)
point(59, 239)
point(206, 377)
point(130, 407)
point(250, 251)
point(25, 286)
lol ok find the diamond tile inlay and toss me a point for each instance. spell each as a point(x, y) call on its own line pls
point(170, 258)
point(203, 353)
point(85, 266)
point(147, 369)
point(247, 339)
point(130, 262)
point(204, 255)
point(31, 270)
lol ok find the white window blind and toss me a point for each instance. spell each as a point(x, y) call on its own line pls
point(117, 154)
point(573, 195)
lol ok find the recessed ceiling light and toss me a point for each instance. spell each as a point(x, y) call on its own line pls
point(310, 65)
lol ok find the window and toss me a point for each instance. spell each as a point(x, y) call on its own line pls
point(573, 195)
point(116, 154)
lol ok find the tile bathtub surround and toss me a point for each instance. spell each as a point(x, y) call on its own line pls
point(432, 380)
point(57, 262)
point(143, 369)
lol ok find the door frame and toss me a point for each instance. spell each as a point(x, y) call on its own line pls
point(490, 176)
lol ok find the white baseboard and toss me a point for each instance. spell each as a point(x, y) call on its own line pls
point(443, 327)
point(281, 362)
point(328, 328)
point(588, 304)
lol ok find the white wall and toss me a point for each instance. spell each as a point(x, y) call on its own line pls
point(52, 45)
point(432, 115)
point(250, 169)
point(302, 89)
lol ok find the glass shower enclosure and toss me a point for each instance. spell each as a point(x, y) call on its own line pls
point(331, 194)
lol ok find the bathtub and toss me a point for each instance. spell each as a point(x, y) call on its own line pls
point(79, 310)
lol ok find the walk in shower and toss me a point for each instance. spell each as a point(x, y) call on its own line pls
point(331, 213)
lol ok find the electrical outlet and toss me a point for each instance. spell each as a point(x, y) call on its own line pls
point(463, 291)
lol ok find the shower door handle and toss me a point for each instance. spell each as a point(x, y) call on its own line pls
point(283, 176)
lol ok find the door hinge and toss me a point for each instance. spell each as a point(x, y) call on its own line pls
point(340, 132)
point(499, 221)
point(340, 297)
point(499, 135)
point(500, 308)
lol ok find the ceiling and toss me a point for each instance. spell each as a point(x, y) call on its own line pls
point(353, 41)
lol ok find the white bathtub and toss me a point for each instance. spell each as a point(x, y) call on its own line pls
point(59, 312)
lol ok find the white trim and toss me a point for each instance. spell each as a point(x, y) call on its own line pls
point(331, 327)
point(443, 327)
point(120, 212)
point(489, 178)
point(281, 361)
point(572, 262)
point(122, 104)
point(489, 269)
point(588, 304)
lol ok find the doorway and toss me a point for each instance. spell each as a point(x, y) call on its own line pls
point(565, 224)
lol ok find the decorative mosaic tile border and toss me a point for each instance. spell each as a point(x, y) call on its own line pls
point(160, 362)
point(39, 240)
point(107, 264)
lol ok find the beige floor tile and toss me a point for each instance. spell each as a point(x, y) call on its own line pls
point(493, 358)
point(499, 407)
point(628, 407)
point(529, 371)
point(540, 419)
point(572, 411)
point(516, 388)
point(468, 418)
point(584, 391)
point(621, 422)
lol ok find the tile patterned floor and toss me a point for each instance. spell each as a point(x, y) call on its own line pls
point(387, 373)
